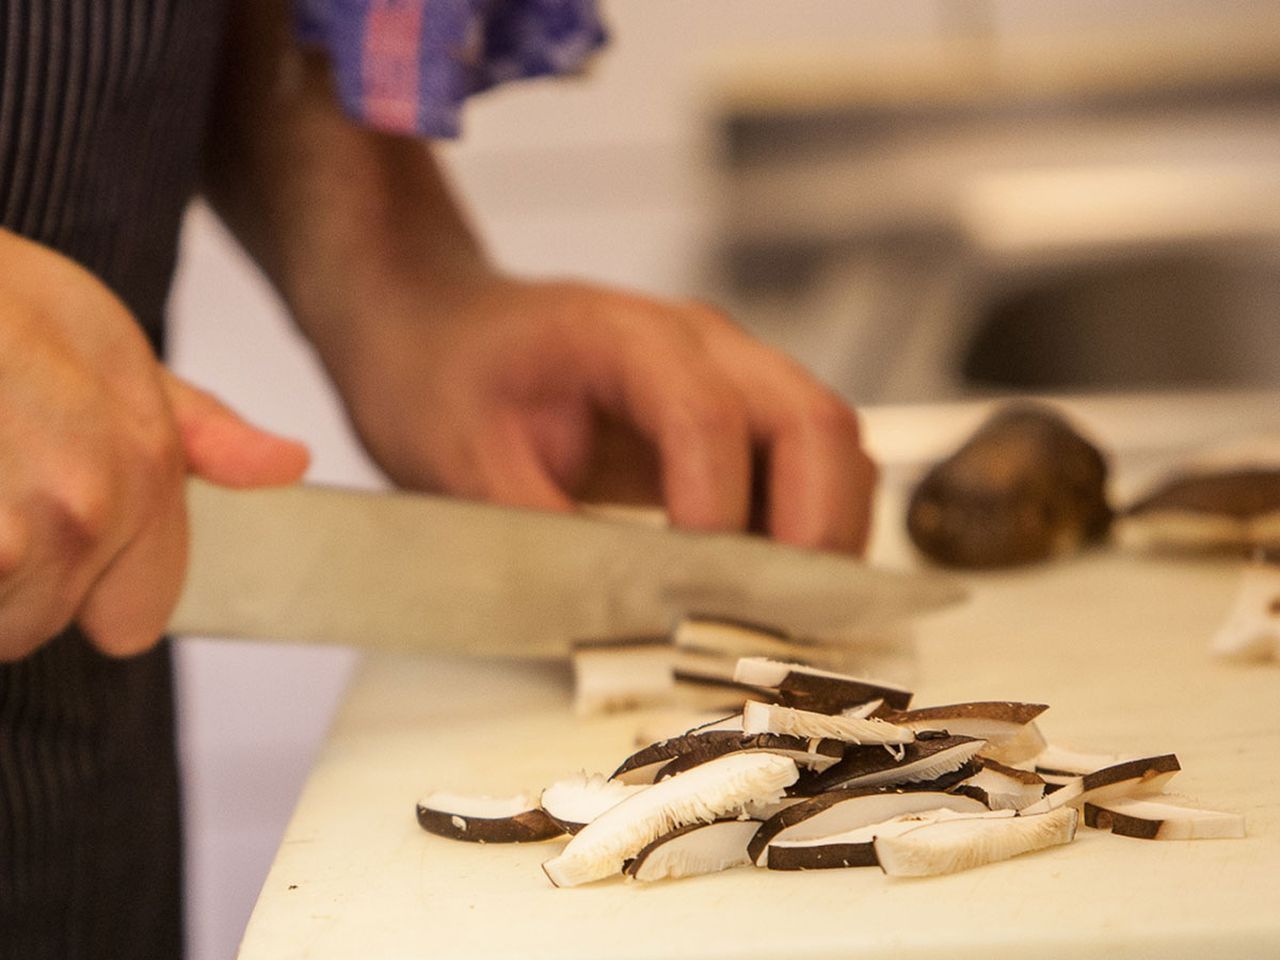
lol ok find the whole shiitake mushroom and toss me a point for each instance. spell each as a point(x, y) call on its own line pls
point(1025, 487)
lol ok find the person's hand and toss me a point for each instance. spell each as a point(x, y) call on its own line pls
point(95, 441)
point(502, 395)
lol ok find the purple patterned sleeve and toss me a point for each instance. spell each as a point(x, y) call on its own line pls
point(407, 66)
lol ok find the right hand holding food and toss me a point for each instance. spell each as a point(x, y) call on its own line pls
point(96, 439)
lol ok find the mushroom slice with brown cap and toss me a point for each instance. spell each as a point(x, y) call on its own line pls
point(575, 801)
point(951, 846)
point(1006, 788)
point(1150, 820)
point(621, 674)
point(643, 765)
point(1130, 778)
point(1208, 510)
point(810, 754)
point(839, 811)
point(927, 759)
point(1064, 763)
point(676, 723)
point(719, 788)
point(760, 717)
point(516, 819)
point(856, 848)
point(694, 849)
point(1008, 727)
point(823, 691)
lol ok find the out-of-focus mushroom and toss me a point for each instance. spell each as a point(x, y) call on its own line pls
point(1025, 487)
point(1231, 509)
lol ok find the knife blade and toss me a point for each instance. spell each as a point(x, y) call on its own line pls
point(409, 571)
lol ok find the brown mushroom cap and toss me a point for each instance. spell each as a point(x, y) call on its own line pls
point(455, 817)
point(1242, 494)
point(1025, 487)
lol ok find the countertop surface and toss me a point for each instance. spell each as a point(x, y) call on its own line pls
point(1117, 645)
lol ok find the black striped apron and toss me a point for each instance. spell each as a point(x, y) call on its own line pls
point(103, 104)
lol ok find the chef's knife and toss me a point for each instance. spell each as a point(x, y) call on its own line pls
point(408, 571)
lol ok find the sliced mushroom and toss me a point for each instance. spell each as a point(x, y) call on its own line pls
point(1224, 509)
point(760, 717)
point(839, 811)
point(1005, 788)
point(823, 691)
point(622, 674)
point(676, 723)
point(1149, 820)
point(709, 693)
point(1008, 727)
point(575, 801)
point(1251, 630)
point(948, 847)
point(694, 849)
point(856, 848)
point(643, 765)
point(516, 819)
point(924, 760)
point(719, 788)
point(741, 638)
point(809, 754)
point(1060, 764)
point(1130, 778)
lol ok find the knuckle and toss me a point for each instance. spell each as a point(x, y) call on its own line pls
point(15, 543)
point(711, 412)
point(156, 452)
point(84, 505)
point(825, 412)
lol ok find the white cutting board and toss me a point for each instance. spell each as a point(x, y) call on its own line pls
point(1117, 646)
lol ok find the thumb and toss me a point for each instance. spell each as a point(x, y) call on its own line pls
point(225, 449)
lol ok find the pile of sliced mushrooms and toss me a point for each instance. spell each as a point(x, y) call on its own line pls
point(824, 770)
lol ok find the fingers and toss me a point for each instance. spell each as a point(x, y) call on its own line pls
point(695, 418)
point(223, 448)
point(511, 470)
point(819, 479)
point(128, 607)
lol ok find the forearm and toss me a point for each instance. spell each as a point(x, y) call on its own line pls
point(339, 217)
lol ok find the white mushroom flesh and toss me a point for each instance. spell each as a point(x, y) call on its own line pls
point(1251, 630)
point(578, 800)
point(1152, 820)
point(953, 846)
point(719, 788)
point(706, 848)
point(472, 807)
point(760, 717)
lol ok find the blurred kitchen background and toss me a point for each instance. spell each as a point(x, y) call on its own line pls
point(920, 200)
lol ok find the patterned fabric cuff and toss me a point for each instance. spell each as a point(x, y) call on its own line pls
point(407, 66)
